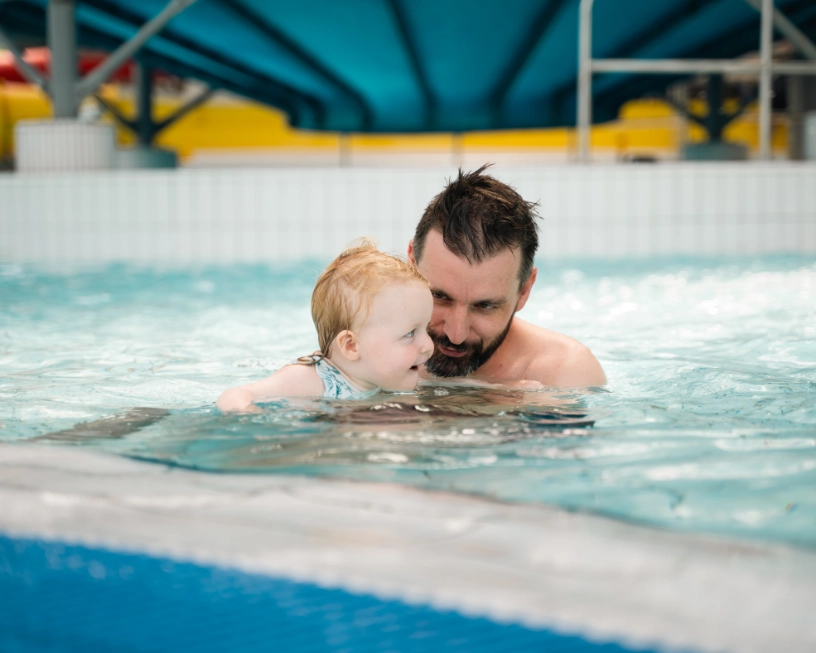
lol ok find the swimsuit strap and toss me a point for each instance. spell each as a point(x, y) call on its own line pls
point(335, 385)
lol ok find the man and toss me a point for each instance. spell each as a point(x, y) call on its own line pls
point(475, 244)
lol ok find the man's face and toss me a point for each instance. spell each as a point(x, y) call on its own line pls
point(473, 304)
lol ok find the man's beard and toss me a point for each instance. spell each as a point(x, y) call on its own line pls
point(477, 355)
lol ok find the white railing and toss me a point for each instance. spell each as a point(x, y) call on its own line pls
point(765, 68)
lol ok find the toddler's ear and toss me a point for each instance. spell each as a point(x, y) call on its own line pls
point(346, 345)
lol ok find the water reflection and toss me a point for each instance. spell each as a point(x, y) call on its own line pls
point(708, 425)
point(439, 426)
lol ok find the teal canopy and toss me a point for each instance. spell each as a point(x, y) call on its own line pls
point(418, 65)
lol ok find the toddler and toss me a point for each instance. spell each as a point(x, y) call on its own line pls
point(371, 312)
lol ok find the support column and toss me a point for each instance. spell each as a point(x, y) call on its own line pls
point(765, 53)
point(62, 42)
point(584, 80)
point(143, 86)
point(680, 97)
point(344, 149)
point(796, 118)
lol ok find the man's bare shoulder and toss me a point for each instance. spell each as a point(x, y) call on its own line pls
point(556, 359)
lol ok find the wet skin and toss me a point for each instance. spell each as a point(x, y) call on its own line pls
point(474, 303)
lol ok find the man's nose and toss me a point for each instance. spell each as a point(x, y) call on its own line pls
point(457, 325)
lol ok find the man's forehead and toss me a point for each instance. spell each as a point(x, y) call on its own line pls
point(492, 280)
point(505, 262)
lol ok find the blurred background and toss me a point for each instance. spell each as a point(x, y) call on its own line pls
point(237, 130)
point(406, 84)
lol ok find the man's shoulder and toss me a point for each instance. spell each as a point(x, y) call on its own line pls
point(544, 343)
point(557, 359)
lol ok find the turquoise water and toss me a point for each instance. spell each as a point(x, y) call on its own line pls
point(708, 422)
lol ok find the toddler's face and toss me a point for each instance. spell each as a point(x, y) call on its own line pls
point(394, 341)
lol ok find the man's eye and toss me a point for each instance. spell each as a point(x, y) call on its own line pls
point(439, 296)
point(485, 307)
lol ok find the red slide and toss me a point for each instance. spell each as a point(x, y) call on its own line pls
point(40, 59)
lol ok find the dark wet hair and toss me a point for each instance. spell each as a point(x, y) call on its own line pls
point(478, 217)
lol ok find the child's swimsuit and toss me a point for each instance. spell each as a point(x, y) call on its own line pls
point(335, 385)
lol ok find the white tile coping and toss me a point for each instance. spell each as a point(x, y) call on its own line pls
point(538, 566)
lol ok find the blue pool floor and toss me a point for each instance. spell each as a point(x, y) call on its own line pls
point(56, 598)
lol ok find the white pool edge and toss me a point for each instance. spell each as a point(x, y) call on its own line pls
point(536, 566)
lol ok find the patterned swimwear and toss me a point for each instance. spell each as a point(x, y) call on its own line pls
point(335, 385)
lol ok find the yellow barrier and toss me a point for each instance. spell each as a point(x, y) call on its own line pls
point(646, 127)
point(18, 102)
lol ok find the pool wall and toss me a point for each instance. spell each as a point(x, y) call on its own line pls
point(248, 215)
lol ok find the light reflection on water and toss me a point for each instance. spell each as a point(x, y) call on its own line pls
point(708, 422)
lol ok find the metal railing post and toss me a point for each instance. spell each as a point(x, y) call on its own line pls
point(143, 85)
point(584, 118)
point(796, 36)
point(765, 55)
point(62, 42)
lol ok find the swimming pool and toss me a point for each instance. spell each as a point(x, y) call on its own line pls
point(707, 423)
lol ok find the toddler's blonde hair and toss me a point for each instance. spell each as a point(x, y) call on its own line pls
point(343, 293)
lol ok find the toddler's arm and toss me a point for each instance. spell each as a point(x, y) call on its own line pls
point(289, 381)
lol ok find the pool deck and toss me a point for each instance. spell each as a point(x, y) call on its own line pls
point(536, 566)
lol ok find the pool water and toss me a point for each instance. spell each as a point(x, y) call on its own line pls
point(708, 422)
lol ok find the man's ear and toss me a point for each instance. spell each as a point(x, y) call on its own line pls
point(346, 345)
point(526, 287)
point(411, 252)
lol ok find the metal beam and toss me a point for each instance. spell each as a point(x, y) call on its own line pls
point(796, 122)
point(183, 110)
point(562, 93)
point(410, 46)
point(146, 131)
point(627, 87)
point(794, 68)
point(765, 57)
point(27, 71)
point(61, 26)
point(266, 91)
point(93, 79)
point(143, 86)
point(764, 68)
point(695, 66)
point(683, 110)
point(290, 99)
point(798, 39)
point(584, 118)
point(114, 111)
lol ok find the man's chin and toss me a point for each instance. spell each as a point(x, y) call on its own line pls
point(448, 366)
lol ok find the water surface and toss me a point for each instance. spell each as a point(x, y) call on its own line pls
point(708, 422)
